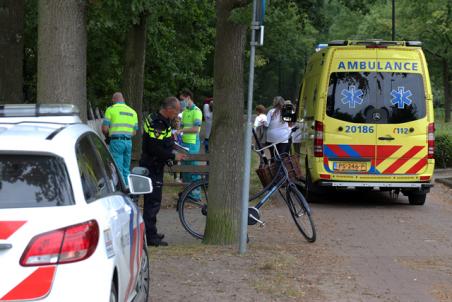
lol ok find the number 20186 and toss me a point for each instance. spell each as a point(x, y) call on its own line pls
point(359, 129)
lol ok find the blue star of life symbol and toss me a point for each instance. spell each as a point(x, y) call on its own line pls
point(401, 97)
point(352, 96)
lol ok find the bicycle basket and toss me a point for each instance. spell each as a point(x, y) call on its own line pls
point(292, 164)
point(266, 172)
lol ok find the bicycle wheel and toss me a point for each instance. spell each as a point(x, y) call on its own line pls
point(301, 213)
point(192, 208)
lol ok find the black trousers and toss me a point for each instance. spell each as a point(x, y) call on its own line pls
point(152, 202)
point(281, 147)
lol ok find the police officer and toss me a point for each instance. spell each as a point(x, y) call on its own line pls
point(158, 150)
point(119, 125)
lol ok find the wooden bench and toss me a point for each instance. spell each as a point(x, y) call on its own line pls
point(202, 168)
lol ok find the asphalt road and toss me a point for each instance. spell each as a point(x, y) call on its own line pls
point(389, 250)
point(370, 247)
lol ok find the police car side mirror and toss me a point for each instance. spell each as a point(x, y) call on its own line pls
point(140, 171)
point(139, 184)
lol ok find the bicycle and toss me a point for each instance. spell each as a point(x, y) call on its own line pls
point(193, 212)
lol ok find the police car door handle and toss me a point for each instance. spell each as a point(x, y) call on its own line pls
point(5, 246)
point(386, 138)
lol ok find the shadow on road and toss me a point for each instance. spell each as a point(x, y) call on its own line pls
point(360, 199)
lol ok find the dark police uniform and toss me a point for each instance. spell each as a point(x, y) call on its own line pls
point(157, 150)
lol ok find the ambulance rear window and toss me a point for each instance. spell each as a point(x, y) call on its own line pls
point(376, 97)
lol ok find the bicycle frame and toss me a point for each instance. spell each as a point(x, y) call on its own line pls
point(276, 183)
point(270, 192)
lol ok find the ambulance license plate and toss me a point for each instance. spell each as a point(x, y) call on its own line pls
point(350, 166)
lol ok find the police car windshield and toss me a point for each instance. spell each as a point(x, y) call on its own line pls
point(376, 97)
point(29, 181)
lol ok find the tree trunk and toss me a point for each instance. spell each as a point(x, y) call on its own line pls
point(62, 52)
point(11, 50)
point(226, 157)
point(133, 76)
point(447, 92)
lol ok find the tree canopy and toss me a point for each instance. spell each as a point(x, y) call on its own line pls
point(181, 38)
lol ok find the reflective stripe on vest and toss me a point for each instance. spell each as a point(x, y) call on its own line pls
point(189, 116)
point(156, 133)
point(123, 120)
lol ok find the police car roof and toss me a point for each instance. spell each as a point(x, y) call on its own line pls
point(38, 137)
point(21, 131)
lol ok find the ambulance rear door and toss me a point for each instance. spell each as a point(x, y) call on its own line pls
point(402, 127)
point(349, 130)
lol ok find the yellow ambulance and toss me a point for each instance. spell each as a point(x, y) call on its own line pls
point(366, 118)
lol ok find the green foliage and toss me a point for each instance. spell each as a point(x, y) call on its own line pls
point(30, 51)
point(443, 151)
point(315, 12)
point(180, 40)
point(180, 46)
point(289, 40)
point(359, 6)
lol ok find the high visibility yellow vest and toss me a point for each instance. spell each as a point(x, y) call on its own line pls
point(121, 119)
point(155, 133)
point(191, 117)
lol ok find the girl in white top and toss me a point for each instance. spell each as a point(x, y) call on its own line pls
point(278, 130)
point(261, 118)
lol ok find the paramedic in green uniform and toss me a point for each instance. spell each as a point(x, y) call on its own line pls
point(120, 124)
point(190, 127)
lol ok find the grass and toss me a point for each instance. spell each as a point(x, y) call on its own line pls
point(255, 183)
point(442, 128)
point(276, 274)
point(271, 270)
point(194, 251)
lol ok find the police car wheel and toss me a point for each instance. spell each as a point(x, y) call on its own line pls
point(417, 199)
point(142, 287)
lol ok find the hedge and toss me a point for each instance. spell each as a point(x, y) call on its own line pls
point(443, 151)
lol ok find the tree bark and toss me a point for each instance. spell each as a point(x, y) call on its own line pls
point(133, 76)
point(226, 157)
point(62, 53)
point(447, 92)
point(11, 50)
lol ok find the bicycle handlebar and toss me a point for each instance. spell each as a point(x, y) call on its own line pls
point(274, 144)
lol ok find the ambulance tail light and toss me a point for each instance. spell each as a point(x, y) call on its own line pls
point(318, 139)
point(431, 140)
point(70, 244)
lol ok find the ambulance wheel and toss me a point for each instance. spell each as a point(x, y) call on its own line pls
point(417, 198)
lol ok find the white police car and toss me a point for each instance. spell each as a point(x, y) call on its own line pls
point(69, 230)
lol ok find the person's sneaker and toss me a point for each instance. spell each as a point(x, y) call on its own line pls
point(157, 242)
